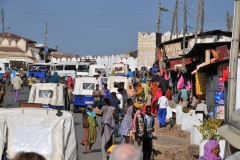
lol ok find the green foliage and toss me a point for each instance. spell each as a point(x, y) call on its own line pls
point(209, 128)
point(172, 122)
point(185, 110)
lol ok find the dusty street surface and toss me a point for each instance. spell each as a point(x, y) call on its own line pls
point(172, 144)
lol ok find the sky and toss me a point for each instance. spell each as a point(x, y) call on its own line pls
point(103, 27)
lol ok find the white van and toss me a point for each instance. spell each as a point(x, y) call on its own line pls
point(115, 82)
point(65, 69)
point(100, 69)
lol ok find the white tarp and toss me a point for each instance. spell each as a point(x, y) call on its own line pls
point(45, 122)
point(115, 81)
point(100, 69)
point(47, 93)
point(84, 85)
point(119, 68)
point(33, 139)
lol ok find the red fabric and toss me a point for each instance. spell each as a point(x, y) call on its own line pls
point(70, 82)
point(156, 97)
point(144, 109)
point(169, 94)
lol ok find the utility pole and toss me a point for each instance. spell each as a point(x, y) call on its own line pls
point(177, 22)
point(197, 20)
point(184, 31)
point(233, 67)
point(202, 17)
point(159, 14)
point(158, 20)
point(45, 42)
point(229, 22)
point(3, 23)
point(173, 20)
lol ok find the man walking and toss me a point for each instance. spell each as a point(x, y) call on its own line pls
point(16, 85)
point(97, 94)
point(106, 92)
point(114, 101)
point(162, 111)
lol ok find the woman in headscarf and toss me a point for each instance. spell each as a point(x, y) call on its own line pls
point(157, 95)
point(126, 126)
point(146, 90)
point(70, 86)
point(154, 88)
point(140, 91)
point(55, 78)
point(107, 131)
point(130, 91)
point(211, 151)
point(89, 119)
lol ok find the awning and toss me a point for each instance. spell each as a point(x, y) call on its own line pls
point(25, 59)
point(176, 62)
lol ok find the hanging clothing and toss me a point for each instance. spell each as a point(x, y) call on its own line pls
point(180, 83)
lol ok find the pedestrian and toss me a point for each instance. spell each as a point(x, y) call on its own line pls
point(5, 78)
point(106, 92)
point(97, 96)
point(162, 111)
point(126, 126)
point(154, 89)
point(130, 91)
point(148, 133)
point(114, 101)
point(28, 156)
point(16, 86)
point(146, 90)
point(31, 81)
point(211, 151)
point(156, 77)
point(230, 132)
point(125, 152)
point(70, 86)
point(138, 126)
point(106, 104)
point(2, 94)
point(90, 138)
point(194, 101)
point(169, 94)
point(108, 131)
point(202, 107)
point(164, 83)
point(55, 78)
point(130, 73)
point(140, 91)
point(154, 102)
point(120, 97)
point(38, 80)
point(184, 94)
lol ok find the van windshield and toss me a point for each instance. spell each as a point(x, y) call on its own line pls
point(38, 68)
point(83, 68)
point(70, 67)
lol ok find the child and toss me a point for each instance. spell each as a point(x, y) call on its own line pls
point(148, 129)
point(38, 80)
point(162, 111)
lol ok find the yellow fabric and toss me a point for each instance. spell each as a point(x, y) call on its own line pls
point(111, 148)
point(146, 90)
point(31, 81)
point(138, 105)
